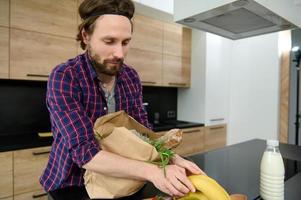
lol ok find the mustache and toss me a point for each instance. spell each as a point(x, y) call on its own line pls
point(118, 60)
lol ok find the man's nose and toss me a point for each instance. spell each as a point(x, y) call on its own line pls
point(118, 52)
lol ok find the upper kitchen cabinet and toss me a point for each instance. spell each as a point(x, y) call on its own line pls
point(147, 64)
point(145, 54)
point(56, 17)
point(33, 55)
point(176, 55)
point(4, 13)
point(147, 34)
point(4, 52)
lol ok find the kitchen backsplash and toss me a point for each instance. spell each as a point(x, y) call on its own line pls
point(162, 103)
point(23, 109)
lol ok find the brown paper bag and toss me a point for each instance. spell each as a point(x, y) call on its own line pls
point(113, 132)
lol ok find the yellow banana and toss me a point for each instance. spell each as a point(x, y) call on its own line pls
point(194, 196)
point(209, 187)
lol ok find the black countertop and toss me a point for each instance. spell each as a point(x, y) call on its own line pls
point(236, 168)
point(30, 140)
point(170, 124)
point(23, 141)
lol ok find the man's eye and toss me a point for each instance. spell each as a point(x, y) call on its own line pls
point(125, 43)
point(109, 41)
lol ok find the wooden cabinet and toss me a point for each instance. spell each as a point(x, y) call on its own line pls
point(199, 139)
point(34, 55)
point(56, 17)
point(148, 65)
point(145, 54)
point(147, 34)
point(4, 13)
point(6, 174)
point(4, 52)
point(176, 55)
point(28, 167)
point(215, 136)
point(160, 52)
point(176, 71)
point(192, 141)
point(36, 195)
point(8, 198)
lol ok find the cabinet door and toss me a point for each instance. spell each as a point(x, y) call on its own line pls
point(192, 141)
point(176, 56)
point(36, 195)
point(34, 55)
point(215, 137)
point(4, 13)
point(176, 71)
point(28, 167)
point(172, 39)
point(147, 34)
point(6, 174)
point(56, 17)
point(4, 68)
point(148, 65)
point(8, 198)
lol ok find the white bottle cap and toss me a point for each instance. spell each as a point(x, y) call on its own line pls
point(273, 143)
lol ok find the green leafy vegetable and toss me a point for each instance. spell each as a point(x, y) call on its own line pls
point(165, 154)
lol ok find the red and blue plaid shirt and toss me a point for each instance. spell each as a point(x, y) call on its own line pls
point(75, 100)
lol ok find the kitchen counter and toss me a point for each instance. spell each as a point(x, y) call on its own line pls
point(32, 140)
point(236, 168)
point(170, 124)
point(23, 141)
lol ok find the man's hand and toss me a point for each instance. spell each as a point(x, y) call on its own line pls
point(175, 183)
point(186, 164)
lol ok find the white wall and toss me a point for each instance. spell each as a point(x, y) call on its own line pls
point(253, 86)
point(254, 89)
point(191, 104)
point(163, 5)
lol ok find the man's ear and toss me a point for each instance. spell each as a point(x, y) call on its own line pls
point(85, 36)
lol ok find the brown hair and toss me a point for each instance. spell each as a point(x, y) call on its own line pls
point(90, 10)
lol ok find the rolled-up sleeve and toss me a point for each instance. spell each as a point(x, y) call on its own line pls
point(69, 118)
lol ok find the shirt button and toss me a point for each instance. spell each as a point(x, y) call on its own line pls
point(105, 108)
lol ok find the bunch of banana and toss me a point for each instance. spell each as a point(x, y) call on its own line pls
point(207, 189)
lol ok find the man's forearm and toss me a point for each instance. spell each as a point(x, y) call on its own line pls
point(111, 164)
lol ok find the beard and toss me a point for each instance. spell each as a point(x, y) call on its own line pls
point(110, 67)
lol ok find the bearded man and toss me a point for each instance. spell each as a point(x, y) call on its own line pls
point(89, 86)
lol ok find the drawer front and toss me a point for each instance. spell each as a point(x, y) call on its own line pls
point(192, 141)
point(6, 174)
point(28, 167)
point(36, 195)
point(215, 137)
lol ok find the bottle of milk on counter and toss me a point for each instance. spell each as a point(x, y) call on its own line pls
point(272, 172)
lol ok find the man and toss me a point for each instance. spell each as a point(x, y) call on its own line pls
point(92, 85)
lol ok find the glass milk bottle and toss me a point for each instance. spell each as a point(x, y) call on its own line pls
point(272, 172)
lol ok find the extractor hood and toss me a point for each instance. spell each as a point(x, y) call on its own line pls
point(238, 19)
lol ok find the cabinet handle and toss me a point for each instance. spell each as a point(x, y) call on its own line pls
point(217, 119)
point(177, 84)
point(38, 75)
point(34, 196)
point(149, 82)
point(192, 131)
point(40, 153)
point(215, 128)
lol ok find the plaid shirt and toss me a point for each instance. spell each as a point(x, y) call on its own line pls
point(75, 100)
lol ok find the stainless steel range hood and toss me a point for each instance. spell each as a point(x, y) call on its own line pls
point(238, 19)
